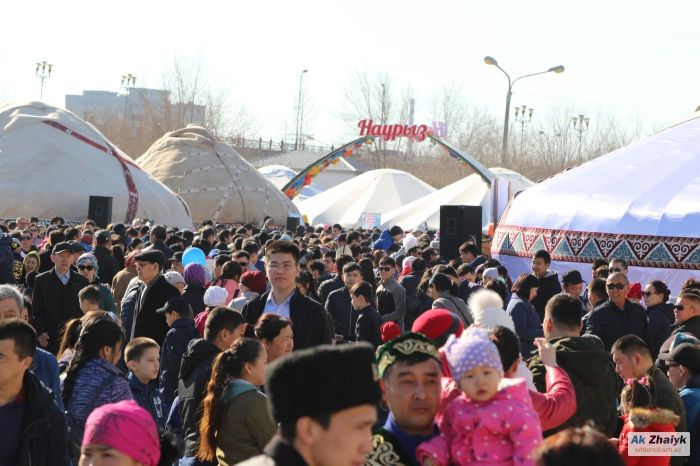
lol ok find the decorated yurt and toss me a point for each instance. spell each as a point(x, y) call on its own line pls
point(373, 192)
point(424, 213)
point(217, 183)
point(51, 162)
point(640, 203)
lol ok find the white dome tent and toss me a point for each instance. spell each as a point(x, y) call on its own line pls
point(424, 213)
point(640, 203)
point(51, 162)
point(217, 183)
point(375, 191)
point(279, 175)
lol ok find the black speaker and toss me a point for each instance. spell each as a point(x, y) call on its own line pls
point(100, 210)
point(458, 223)
point(292, 223)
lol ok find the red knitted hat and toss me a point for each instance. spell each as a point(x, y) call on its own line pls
point(389, 331)
point(635, 291)
point(438, 325)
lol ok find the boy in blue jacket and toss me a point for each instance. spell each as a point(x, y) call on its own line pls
point(143, 360)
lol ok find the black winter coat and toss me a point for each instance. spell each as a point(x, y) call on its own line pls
point(311, 323)
point(194, 377)
point(54, 304)
point(45, 432)
point(174, 347)
point(549, 286)
point(660, 318)
point(608, 322)
point(594, 379)
point(329, 286)
point(147, 322)
point(339, 307)
point(368, 326)
point(109, 266)
point(194, 295)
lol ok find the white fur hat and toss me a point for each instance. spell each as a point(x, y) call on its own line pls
point(487, 309)
point(215, 296)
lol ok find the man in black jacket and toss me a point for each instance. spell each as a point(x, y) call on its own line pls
point(549, 281)
point(55, 237)
point(55, 298)
point(34, 428)
point(368, 323)
point(339, 304)
point(158, 235)
point(154, 291)
point(310, 321)
point(329, 286)
point(584, 360)
point(618, 316)
point(687, 314)
point(223, 327)
point(107, 263)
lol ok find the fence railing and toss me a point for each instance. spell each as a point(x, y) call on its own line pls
point(274, 145)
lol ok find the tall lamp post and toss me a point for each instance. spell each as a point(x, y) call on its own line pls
point(128, 81)
point(492, 61)
point(43, 72)
point(299, 123)
point(523, 117)
point(580, 124)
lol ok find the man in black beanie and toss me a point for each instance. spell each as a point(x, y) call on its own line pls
point(324, 400)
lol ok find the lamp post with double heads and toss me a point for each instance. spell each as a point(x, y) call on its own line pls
point(128, 81)
point(580, 124)
point(300, 128)
point(492, 61)
point(43, 72)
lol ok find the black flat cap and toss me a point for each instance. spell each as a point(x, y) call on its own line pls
point(150, 255)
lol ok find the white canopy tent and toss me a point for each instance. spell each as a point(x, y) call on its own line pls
point(217, 183)
point(424, 213)
point(640, 203)
point(375, 191)
point(51, 162)
point(279, 175)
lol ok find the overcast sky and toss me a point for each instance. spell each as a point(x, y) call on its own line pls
point(635, 60)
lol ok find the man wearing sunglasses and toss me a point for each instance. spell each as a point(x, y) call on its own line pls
point(391, 297)
point(618, 316)
point(687, 314)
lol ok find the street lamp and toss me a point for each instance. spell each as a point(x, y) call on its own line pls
point(523, 116)
point(299, 123)
point(580, 124)
point(43, 72)
point(128, 80)
point(492, 61)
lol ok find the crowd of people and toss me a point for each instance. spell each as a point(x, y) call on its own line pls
point(147, 345)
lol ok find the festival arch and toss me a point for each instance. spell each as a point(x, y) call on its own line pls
point(306, 176)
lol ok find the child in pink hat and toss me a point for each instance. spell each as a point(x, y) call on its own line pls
point(492, 422)
point(125, 433)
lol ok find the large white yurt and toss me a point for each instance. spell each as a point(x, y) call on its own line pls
point(217, 183)
point(640, 203)
point(279, 175)
point(373, 192)
point(51, 162)
point(424, 213)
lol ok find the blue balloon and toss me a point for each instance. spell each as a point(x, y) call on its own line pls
point(193, 255)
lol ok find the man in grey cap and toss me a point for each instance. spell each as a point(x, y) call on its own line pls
point(153, 292)
point(325, 402)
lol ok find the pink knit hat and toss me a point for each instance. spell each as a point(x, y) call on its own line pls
point(126, 427)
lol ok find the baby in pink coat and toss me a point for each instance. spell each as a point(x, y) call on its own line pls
point(492, 422)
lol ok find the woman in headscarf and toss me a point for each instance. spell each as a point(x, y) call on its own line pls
point(195, 278)
point(88, 268)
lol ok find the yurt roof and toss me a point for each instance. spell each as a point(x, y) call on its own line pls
point(375, 191)
point(472, 190)
point(51, 162)
point(640, 203)
point(279, 175)
point(216, 182)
